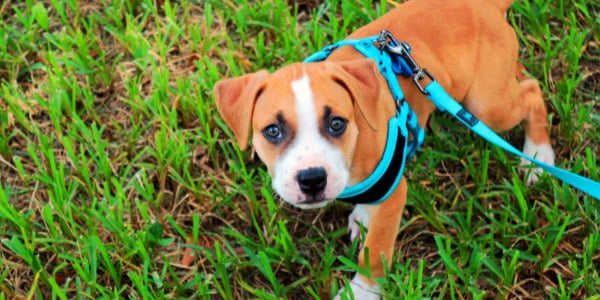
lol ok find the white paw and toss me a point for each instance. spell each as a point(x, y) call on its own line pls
point(542, 153)
point(359, 290)
point(359, 215)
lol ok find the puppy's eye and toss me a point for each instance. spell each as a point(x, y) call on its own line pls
point(273, 133)
point(337, 126)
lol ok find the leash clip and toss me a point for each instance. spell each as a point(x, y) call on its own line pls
point(388, 43)
point(420, 75)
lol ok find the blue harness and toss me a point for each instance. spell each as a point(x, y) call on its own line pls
point(382, 182)
point(393, 58)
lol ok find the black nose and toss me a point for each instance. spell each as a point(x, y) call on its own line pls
point(312, 180)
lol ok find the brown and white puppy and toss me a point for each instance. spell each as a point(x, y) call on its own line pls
point(321, 127)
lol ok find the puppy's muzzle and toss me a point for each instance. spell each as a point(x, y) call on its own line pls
point(312, 181)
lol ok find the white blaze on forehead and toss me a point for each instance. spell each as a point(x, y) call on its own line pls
point(309, 149)
point(305, 106)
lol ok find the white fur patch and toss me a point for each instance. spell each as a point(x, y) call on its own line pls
point(360, 290)
point(360, 215)
point(309, 149)
point(542, 153)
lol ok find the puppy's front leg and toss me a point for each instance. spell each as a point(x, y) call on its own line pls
point(360, 218)
point(383, 223)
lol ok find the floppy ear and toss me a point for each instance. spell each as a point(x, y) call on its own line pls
point(361, 79)
point(235, 98)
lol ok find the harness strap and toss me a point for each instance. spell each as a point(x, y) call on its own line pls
point(386, 176)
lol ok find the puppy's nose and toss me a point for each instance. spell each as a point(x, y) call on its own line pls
point(312, 180)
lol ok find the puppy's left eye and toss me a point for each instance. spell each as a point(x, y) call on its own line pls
point(337, 126)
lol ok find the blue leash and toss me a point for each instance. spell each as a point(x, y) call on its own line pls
point(397, 55)
point(444, 102)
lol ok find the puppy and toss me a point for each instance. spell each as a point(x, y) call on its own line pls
point(321, 127)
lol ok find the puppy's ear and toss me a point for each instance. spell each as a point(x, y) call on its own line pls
point(235, 98)
point(361, 79)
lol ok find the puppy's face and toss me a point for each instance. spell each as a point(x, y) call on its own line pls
point(305, 132)
point(303, 119)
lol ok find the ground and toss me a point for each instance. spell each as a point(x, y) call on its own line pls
point(114, 163)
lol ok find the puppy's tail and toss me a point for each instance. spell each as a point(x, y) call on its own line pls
point(503, 5)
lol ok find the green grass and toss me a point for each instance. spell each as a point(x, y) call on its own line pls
point(112, 158)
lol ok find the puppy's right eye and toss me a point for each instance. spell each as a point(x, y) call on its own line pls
point(273, 133)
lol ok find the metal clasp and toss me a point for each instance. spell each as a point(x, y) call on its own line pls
point(388, 43)
point(420, 75)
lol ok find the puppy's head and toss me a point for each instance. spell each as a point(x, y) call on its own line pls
point(305, 120)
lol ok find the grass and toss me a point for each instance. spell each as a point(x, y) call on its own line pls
point(113, 162)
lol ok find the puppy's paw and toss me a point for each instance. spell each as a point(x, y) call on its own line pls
point(359, 289)
point(359, 215)
point(543, 153)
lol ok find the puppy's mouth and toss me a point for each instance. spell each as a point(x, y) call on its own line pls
point(313, 199)
point(310, 202)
